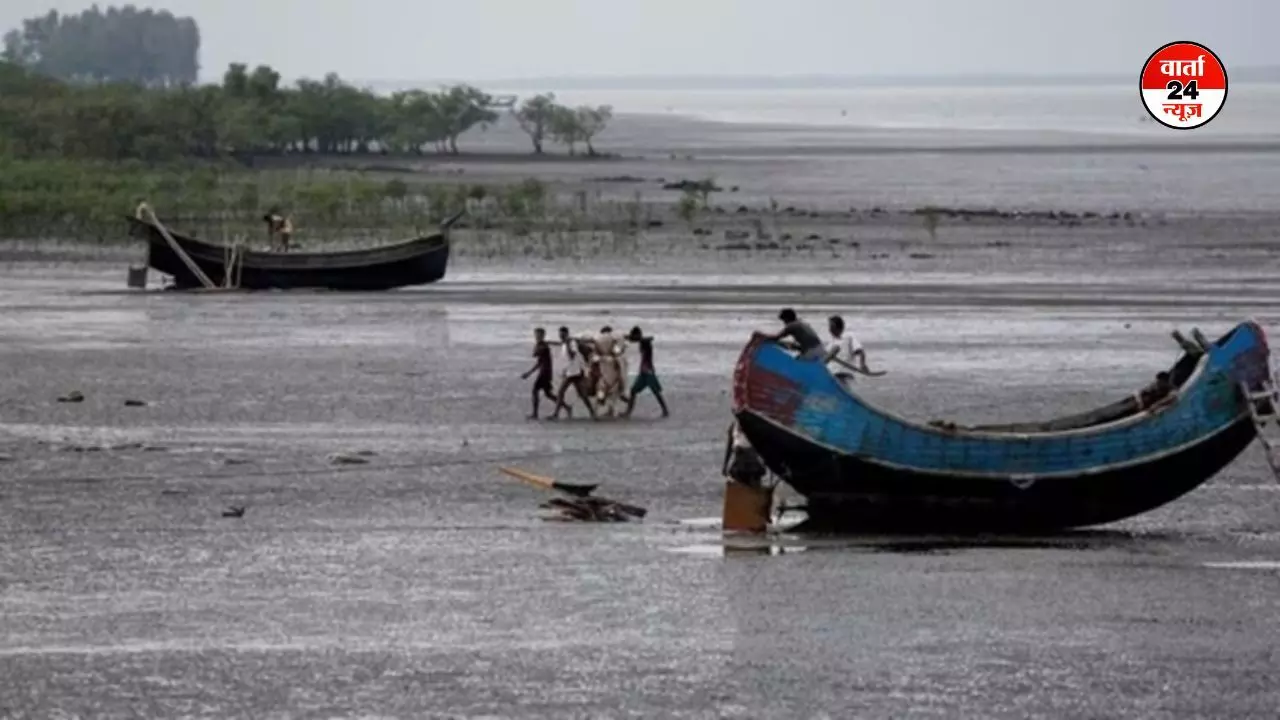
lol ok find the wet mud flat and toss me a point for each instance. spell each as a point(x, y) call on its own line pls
point(408, 579)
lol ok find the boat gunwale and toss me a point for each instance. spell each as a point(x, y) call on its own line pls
point(1140, 416)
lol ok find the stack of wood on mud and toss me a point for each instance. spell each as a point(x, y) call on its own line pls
point(576, 503)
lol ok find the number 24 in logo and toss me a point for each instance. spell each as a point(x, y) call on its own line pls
point(1178, 91)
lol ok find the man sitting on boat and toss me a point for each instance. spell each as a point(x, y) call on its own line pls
point(279, 230)
point(1157, 393)
point(798, 335)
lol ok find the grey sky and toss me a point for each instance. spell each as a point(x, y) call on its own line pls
point(488, 39)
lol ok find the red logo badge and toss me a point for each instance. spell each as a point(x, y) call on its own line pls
point(1183, 85)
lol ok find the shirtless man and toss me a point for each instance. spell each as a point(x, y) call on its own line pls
point(573, 373)
point(541, 366)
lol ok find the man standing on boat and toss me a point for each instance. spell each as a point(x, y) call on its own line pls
point(798, 335)
point(279, 230)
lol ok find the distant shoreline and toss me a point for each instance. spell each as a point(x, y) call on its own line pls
point(1252, 75)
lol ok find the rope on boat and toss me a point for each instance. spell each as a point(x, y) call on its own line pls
point(145, 208)
point(451, 462)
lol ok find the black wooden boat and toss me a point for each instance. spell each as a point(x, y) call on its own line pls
point(413, 262)
point(862, 468)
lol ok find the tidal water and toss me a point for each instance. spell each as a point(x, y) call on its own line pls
point(1108, 108)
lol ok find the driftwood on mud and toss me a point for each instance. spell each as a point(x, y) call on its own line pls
point(576, 502)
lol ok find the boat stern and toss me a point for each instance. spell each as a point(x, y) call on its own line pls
point(1245, 356)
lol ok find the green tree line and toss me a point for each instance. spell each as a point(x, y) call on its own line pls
point(121, 84)
point(145, 47)
point(252, 113)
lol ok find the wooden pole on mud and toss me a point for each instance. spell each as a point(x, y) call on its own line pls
point(233, 261)
point(177, 249)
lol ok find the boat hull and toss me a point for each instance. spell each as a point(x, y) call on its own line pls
point(415, 262)
point(864, 469)
point(849, 493)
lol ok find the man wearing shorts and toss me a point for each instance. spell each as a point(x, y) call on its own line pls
point(573, 373)
point(542, 366)
point(647, 377)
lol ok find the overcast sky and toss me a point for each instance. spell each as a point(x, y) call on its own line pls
point(491, 39)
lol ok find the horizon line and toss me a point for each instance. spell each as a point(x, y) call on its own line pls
point(713, 80)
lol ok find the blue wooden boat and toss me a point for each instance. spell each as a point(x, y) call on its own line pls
point(863, 468)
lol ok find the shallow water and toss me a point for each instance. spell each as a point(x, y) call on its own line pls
point(422, 584)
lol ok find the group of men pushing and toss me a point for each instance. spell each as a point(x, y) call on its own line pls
point(593, 367)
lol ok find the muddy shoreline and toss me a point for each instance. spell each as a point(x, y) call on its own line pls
point(126, 588)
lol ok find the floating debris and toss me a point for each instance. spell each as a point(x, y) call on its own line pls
point(135, 403)
point(75, 396)
point(234, 511)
